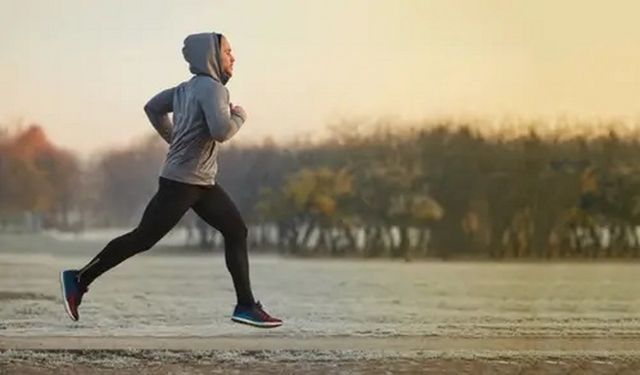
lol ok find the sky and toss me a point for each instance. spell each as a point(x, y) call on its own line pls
point(85, 69)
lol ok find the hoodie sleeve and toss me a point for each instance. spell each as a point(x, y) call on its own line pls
point(214, 101)
point(157, 110)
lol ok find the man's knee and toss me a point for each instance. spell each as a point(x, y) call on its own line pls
point(237, 232)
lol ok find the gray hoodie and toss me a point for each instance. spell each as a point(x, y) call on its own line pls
point(201, 115)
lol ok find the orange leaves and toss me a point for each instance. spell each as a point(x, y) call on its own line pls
point(35, 175)
point(318, 189)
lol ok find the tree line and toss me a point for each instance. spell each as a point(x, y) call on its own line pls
point(441, 190)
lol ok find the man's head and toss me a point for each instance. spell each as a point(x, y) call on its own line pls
point(226, 57)
point(209, 54)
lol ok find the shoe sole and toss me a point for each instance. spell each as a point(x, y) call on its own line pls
point(64, 298)
point(254, 324)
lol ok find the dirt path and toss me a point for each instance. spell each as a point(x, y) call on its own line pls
point(321, 355)
point(396, 344)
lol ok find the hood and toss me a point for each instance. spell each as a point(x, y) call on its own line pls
point(202, 52)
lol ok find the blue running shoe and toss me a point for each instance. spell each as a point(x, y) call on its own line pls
point(72, 292)
point(254, 316)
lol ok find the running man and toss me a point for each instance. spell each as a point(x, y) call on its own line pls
point(203, 118)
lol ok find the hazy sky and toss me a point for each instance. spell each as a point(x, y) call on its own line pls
point(84, 69)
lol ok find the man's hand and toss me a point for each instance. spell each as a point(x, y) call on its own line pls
point(238, 110)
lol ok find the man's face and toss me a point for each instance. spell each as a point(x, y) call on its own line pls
point(226, 58)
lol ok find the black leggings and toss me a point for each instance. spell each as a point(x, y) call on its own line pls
point(168, 205)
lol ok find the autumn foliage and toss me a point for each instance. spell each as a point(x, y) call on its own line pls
point(438, 190)
point(36, 176)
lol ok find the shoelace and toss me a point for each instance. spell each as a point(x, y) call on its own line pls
point(263, 314)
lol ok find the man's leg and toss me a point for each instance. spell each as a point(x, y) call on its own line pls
point(217, 209)
point(163, 212)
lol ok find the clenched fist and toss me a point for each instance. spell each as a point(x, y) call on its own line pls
point(238, 110)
